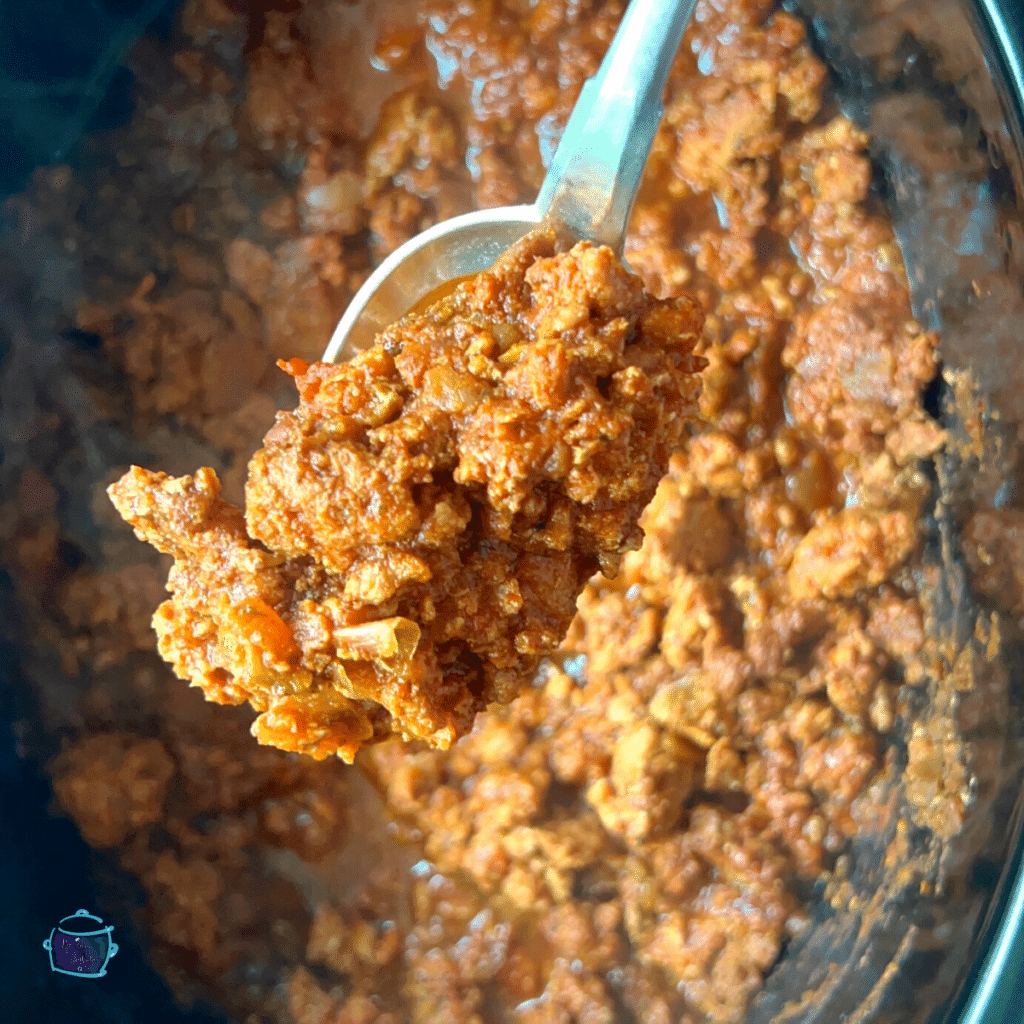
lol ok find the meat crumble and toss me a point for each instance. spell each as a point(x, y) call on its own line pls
point(417, 532)
point(633, 836)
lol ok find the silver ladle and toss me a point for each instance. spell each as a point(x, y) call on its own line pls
point(589, 188)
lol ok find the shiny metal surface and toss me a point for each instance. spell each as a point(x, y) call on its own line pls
point(453, 248)
point(589, 188)
point(997, 992)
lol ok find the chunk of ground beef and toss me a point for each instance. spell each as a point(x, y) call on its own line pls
point(417, 531)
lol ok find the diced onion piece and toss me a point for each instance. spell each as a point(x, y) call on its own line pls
point(383, 640)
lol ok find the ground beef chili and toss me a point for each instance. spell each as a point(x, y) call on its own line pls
point(417, 532)
point(628, 838)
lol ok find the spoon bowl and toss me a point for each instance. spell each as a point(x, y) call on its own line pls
point(454, 248)
point(588, 190)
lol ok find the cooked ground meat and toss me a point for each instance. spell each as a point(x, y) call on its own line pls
point(417, 532)
point(628, 837)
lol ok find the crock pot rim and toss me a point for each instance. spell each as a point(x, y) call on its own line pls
point(990, 999)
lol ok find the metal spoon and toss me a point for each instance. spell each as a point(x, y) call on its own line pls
point(589, 188)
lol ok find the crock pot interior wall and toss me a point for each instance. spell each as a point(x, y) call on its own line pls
point(60, 75)
point(896, 938)
point(875, 917)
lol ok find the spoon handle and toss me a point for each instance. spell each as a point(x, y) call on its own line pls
point(596, 171)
